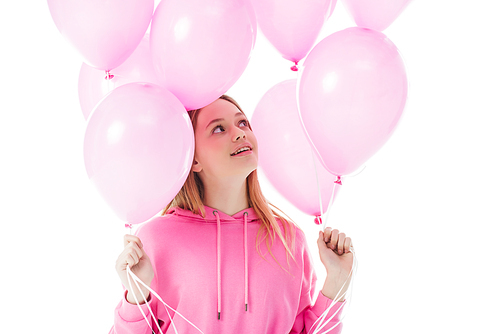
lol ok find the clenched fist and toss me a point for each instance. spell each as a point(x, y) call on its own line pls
point(134, 256)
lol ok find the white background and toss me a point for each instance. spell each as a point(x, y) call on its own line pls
point(423, 215)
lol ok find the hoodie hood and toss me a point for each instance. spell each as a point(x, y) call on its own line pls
point(210, 217)
point(215, 216)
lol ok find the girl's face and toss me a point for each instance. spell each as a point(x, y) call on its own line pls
point(224, 143)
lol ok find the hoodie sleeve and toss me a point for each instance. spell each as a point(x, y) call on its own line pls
point(308, 313)
point(128, 319)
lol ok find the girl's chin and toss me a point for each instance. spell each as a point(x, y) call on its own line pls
point(245, 170)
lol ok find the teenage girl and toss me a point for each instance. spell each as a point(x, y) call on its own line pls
point(205, 255)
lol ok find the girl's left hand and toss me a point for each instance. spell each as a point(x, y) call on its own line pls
point(336, 255)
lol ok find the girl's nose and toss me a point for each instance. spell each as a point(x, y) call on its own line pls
point(238, 134)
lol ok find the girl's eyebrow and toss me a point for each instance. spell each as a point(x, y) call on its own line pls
point(221, 119)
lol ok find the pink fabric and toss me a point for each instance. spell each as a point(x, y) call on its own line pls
point(219, 297)
point(184, 249)
point(246, 261)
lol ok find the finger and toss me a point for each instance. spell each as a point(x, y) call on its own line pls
point(127, 257)
point(133, 246)
point(132, 259)
point(347, 245)
point(334, 239)
point(321, 240)
point(340, 243)
point(328, 233)
point(131, 238)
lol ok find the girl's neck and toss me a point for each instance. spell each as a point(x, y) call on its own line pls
point(226, 196)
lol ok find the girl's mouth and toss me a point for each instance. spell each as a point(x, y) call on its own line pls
point(242, 151)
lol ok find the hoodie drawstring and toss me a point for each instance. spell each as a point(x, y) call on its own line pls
point(219, 296)
point(219, 306)
point(246, 262)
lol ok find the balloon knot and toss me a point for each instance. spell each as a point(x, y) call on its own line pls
point(109, 76)
point(338, 181)
point(318, 220)
point(128, 225)
point(294, 67)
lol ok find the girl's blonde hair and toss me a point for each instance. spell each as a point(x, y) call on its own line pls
point(191, 195)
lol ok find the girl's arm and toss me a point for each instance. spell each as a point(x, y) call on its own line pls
point(128, 317)
point(308, 314)
point(335, 254)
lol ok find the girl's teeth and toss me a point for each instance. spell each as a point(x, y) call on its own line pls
point(241, 150)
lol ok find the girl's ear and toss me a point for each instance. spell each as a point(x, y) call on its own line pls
point(196, 167)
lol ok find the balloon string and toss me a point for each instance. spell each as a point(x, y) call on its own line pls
point(129, 226)
point(336, 184)
point(343, 315)
point(321, 319)
point(151, 312)
point(336, 298)
point(359, 171)
point(138, 280)
point(349, 298)
point(318, 219)
point(322, 323)
point(137, 301)
point(317, 183)
point(331, 317)
point(170, 317)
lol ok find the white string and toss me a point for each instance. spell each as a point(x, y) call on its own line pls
point(129, 227)
point(328, 210)
point(325, 313)
point(343, 314)
point(330, 204)
point(171, 320)
point(159, 298)
point(151, 312)
point(321, 319)
point(137, 301)
point(357, 172)
point(136, 281)
point(332, 316)
point(317, 183)
point(334, 190)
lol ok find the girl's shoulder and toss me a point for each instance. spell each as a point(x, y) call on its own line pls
point(155, 226)
point(296, 234)
point(291, 225)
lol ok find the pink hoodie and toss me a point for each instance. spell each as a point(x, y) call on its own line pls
point(206, 268)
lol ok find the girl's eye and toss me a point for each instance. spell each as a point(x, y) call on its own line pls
point(218, 127)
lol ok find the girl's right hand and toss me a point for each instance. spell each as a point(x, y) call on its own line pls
point(134, 255)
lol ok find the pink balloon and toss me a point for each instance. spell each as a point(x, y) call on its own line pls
point(352, 92)
point(292, 26)
point(200, 48)
point(93, 85)
point(285, 155)
point(138, 149)
point(375, 14)
point(104, 32)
